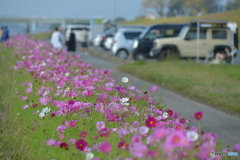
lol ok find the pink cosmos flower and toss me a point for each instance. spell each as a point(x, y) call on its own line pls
point(44, 100)
point(175, 139)
point(71, 141)
point(143, 130)
point(24, 98)
point(83, 134)
point(236, 148)
point(136, 139)
point(81, 144)
point(139, 150)
point(152, 154)
point(134, 126)
point(99, 107)
point(61, 136)
point(61, 129)
point(198, 115)
point(100, 125)
point(28, 90)
point(87, 93)
point(178, 126)
point(122, 131)
point(50, 142)
point(159, 133)
point(72, 123)
point(153, 88)
point(105, 147)
point(123, 145)
point(25, 106)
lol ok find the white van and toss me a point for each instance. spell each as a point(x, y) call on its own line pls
point(77, 28)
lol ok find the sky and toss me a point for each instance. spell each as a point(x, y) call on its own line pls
point(128, 9)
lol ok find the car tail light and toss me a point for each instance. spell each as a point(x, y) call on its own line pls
point(103, 38)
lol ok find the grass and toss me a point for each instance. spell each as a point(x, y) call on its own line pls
point(229, 15)
point(41, 36)
point(218, 85)
point(13, 136)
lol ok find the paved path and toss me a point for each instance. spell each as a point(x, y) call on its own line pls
point(226, 126)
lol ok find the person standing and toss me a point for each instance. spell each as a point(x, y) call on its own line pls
point(5, 34)
point(1, 33)
point(71, 43)
point(57, 39)
point(84, 40)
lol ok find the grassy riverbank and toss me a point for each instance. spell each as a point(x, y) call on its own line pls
point(13, 137)
point(217, 85)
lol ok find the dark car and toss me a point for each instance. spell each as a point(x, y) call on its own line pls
point(143, 44)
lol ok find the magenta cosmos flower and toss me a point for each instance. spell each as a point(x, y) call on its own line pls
point(198, 115)
point(81, 144)
point(105, 147)
point(151, 122)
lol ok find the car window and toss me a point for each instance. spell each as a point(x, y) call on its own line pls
point(219, 34)
point(131, 35)
point(192, 33)
point(79, 29)
point(171, 32)
point(153, 34)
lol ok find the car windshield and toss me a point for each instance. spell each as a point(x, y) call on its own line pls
point(131, 35)
point(144, 32)
point(182, 31)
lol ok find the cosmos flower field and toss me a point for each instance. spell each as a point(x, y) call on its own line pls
point(74, 111)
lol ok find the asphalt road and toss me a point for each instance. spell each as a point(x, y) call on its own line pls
point(226, 126)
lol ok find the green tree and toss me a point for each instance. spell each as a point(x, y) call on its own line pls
point(176, 7)
point(233, 4)
point(157, 5)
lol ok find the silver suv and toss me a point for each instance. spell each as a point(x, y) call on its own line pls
point(123, 40)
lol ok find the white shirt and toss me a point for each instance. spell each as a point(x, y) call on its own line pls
point(57, 39)
point(233, 52)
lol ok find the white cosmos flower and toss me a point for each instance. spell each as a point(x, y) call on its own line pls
point(124, 101)
point(89, 156)
point(192, 135)
point(124, 79)
point(44, 112)
point(67, 74)
point(41, 115)
point(143, 130)
point(136, 113)
point(165, 115)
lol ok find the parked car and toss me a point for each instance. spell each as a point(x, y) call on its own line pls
point(107, 38)
point(144, 43)
point(122, 41)
point(77, 30)
point(213, 36)
point(108, 43)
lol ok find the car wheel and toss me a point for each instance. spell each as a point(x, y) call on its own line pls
point(122, 53)
point(139, 56)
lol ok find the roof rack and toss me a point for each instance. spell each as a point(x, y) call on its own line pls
point(209, 23)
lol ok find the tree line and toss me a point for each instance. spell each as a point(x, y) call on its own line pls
point(189, 7)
